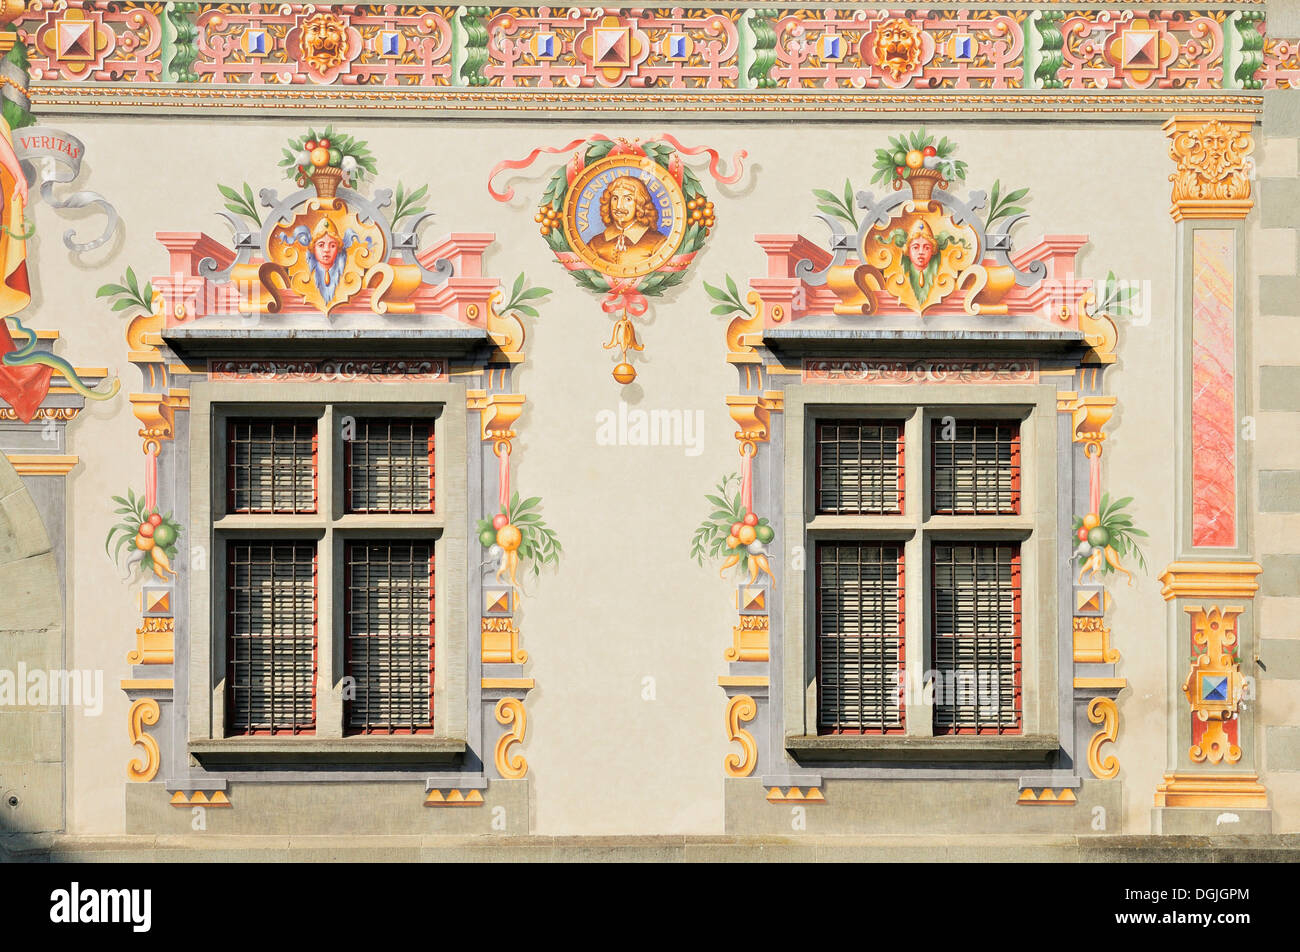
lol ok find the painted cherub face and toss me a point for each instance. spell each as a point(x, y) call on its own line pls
point(326, 249)
point(920, 250)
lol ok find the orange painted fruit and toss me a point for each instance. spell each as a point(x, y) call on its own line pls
point(509, 537)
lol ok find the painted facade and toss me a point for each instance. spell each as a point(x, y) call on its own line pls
point(749, 421)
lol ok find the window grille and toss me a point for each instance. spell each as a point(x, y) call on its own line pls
point(860, 467)
point(272, 466)
point(390, 466)
point(860, 638)
point(271, 614)
point(976, 617)
point(977, 471)
point(390, 636)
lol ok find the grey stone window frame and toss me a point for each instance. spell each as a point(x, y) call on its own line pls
point(1035, 528)
point(330, 527)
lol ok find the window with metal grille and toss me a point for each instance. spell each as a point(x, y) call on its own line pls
point(860, 638)
point(860, 467)
point(976, 616)
point(976, 468)
point(271, 618)
point(390, 466)
point(272, 466)
point(390, 636)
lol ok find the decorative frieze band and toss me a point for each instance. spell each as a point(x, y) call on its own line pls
point(220, 52)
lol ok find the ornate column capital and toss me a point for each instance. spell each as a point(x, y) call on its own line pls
point(1210, 580)
point(1213, 158)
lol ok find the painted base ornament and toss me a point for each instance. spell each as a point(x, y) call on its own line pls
point(626, 218)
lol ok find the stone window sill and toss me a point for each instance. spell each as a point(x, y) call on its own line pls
point(264, 751)
point(1006, 748)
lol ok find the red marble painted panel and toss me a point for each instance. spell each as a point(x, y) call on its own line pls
point(1214, 449)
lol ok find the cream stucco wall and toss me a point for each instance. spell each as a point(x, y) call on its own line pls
point(626, 603)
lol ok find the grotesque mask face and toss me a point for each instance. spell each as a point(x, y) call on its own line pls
point(622, 205)
point(324, 40)
point(326, 249)
point(920, 250)
point(898, 47)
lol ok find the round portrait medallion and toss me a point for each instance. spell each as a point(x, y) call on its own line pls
point(624, 216)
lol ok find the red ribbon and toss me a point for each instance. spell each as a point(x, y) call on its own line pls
point(747, 480)
point(151, 482)
point(523, 163)
point(625, 297)
point(1094, 484)
point(504, 461)
point(737, 160)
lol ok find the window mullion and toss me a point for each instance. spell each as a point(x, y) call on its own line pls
point(915, 619)
point(329, 699)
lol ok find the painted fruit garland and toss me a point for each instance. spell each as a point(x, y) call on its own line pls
point(518, 535)
point(1106, 536)
point(151, 535)
point(733, 533)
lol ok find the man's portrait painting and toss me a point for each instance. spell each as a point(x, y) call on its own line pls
point(625, 216)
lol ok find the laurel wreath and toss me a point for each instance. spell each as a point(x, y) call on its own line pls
point(657, 282)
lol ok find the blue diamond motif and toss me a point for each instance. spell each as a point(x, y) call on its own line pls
point(545, 45)
point(677, 47)
point(1214, 688)
point(963, 47)
point(390, 44)
point(830, 47)
point(256, 41)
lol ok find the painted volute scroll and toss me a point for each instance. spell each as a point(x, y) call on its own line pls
point(950, 447)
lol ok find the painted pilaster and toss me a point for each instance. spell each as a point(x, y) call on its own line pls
point(1213, 752)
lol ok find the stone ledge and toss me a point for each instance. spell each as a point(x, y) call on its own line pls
point(702, 848)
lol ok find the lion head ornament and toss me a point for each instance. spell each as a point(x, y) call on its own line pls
point(326, 45)
point(898, 47)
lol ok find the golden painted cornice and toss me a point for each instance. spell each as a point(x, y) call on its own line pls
point(1214, 167)
point(497, 414)
point(55, 97)
point(1090, 416)
point(752, 414)
point(1210, 580)
point(44, 414)
point(31, 464)
point(154, 410)
point(1212, 791)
